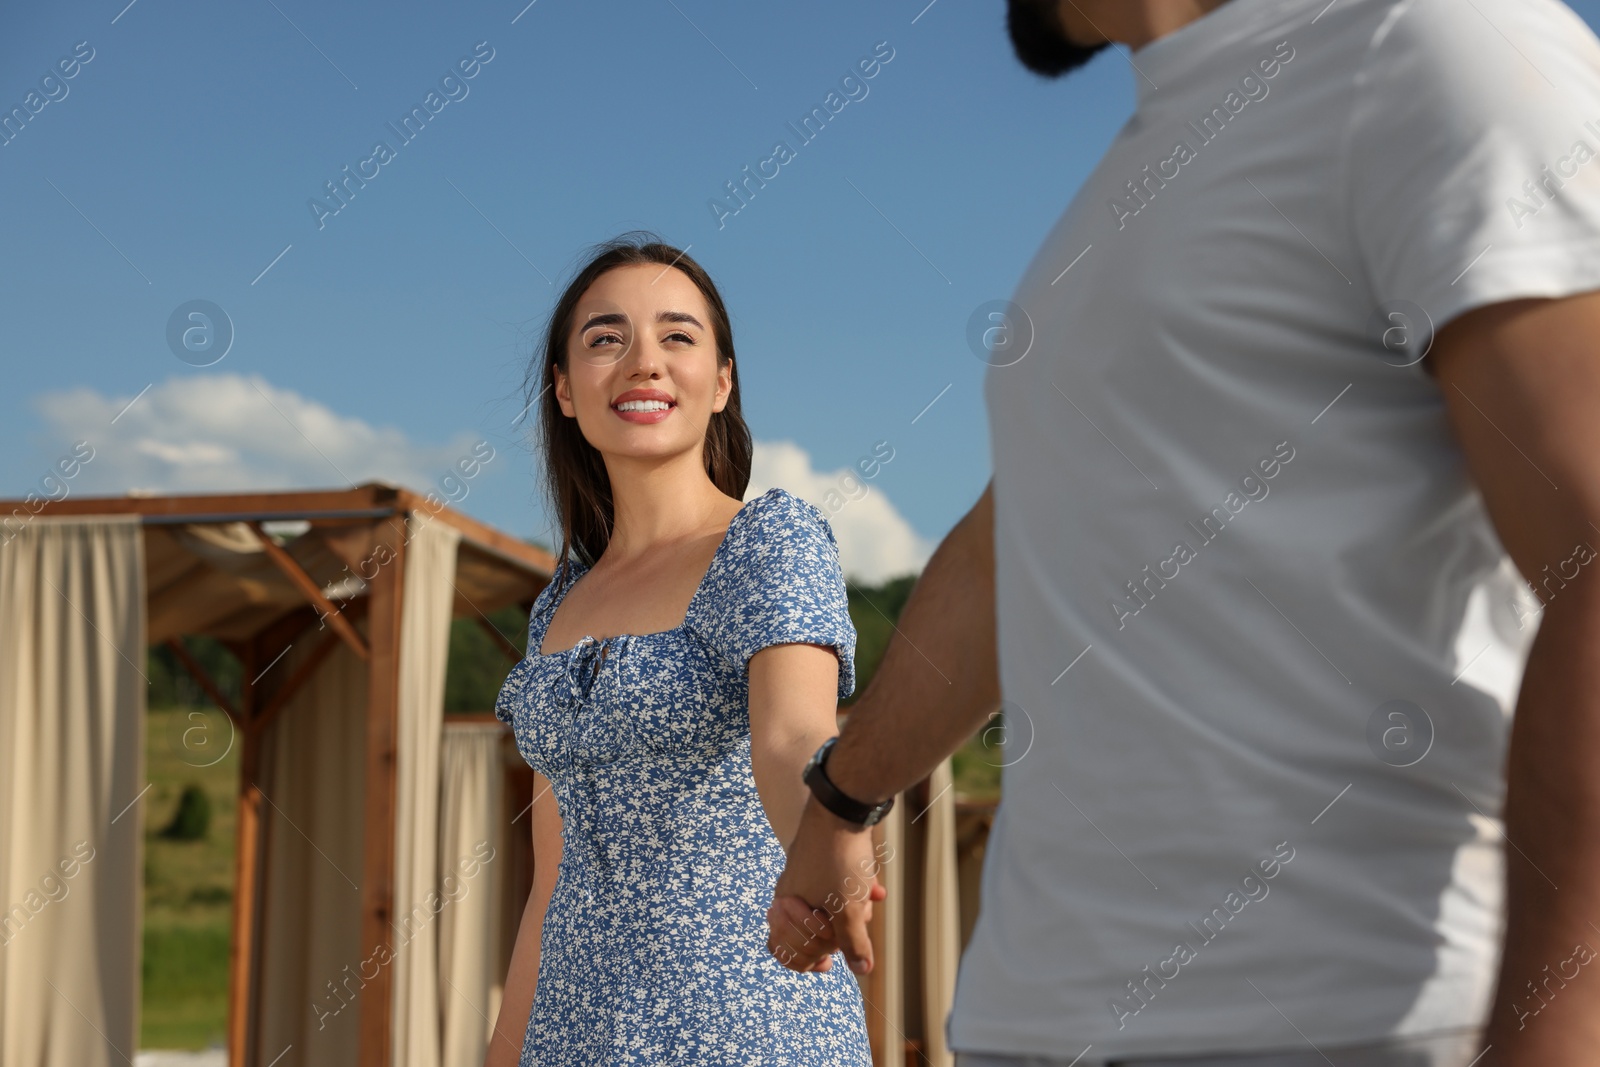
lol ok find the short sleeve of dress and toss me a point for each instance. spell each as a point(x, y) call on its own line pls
point(787, 586)
point(511, 690)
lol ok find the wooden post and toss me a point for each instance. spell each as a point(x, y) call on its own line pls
point(386, 591)
point(874, 991)
point(246, 879)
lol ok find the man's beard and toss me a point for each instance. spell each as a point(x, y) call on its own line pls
point(1039, 42)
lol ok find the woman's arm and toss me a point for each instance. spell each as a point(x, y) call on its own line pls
point(793, 709)
point(505, 1049)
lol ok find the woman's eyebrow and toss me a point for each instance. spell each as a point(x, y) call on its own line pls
point(678, 316)
point(612, 318)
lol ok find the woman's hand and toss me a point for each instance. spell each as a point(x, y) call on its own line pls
point(822, 902)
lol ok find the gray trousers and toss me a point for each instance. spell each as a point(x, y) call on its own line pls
point(1456, 1049)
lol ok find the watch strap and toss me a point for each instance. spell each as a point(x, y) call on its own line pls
point(836, 800)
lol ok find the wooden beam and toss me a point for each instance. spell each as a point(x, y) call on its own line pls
point(372, 500)
point(284, 693)
point(500, 639)
point(198, 673)
point(278, 697)
point(219, 507)
point(244, 948)
point(531, 557)
point(386, 591)
point(350, 541)
point(289, 627)
point(483, 718)
point(311, 591)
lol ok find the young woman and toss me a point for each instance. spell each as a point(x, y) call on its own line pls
point(682, 665)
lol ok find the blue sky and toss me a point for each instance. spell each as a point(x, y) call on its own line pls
point(385, 340)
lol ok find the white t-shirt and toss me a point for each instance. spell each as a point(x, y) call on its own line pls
point(1263, 807)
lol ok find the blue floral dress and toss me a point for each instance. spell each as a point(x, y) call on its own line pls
point(653, 949)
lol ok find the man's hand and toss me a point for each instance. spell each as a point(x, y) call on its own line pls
point(823, 900)
point(909, 719)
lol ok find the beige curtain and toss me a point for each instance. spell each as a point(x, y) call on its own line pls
point(72, 709)
point(313, 778)
point(941, 915)
point(921, 932)
point(426, 608)
point(472, 826)
point(895, 879)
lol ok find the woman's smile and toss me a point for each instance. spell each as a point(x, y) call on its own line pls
point(643, 405)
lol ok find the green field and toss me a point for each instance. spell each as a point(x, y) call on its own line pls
point(188, 886)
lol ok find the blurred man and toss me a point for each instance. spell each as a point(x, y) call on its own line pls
point(1309, 360)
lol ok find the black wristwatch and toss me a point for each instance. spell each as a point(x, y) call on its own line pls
point(847, 808)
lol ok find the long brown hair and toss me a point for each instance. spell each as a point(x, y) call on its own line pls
point(576, 484)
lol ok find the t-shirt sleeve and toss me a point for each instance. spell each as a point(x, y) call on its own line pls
point(789, 587)
point(1472, 153)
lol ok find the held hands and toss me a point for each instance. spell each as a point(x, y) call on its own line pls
point(823, 900)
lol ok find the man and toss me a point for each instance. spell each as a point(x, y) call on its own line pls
point(1317, 338)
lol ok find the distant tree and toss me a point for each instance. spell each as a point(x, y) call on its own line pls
point(478, 665)
point(875, 610)
point(172, 687)
point(192, 820)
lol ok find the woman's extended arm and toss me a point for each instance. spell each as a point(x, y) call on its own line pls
point(505, 1049)
point(793, 709)
point(912, 715)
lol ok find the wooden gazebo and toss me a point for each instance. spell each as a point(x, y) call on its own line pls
point(351, 547)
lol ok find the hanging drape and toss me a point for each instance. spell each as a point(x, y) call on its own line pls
point(72, 709)
point(474, 865)
point(941, 915)
point(895, 879)
point(426, 607)
point(921, 927)
point(313, 781)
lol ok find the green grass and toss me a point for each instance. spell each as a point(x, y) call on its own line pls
point(185, 987)
point(188, 885)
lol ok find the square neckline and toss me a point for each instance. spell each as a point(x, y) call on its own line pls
point(581, 568)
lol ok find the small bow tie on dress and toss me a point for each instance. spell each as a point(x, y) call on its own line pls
point(586, 663)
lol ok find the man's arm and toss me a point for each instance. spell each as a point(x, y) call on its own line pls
point(938, 682)
point(1522, 381)
point(940, 676)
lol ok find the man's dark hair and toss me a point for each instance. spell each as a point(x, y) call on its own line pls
point(1039, 40)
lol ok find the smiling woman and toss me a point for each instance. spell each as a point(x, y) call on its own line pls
point(577, 480)
point(666, 732)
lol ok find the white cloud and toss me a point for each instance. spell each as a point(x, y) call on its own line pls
point(875, 541)
point(229, 432)
point(226, 432)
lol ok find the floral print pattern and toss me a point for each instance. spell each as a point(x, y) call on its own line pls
point(653, 949)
